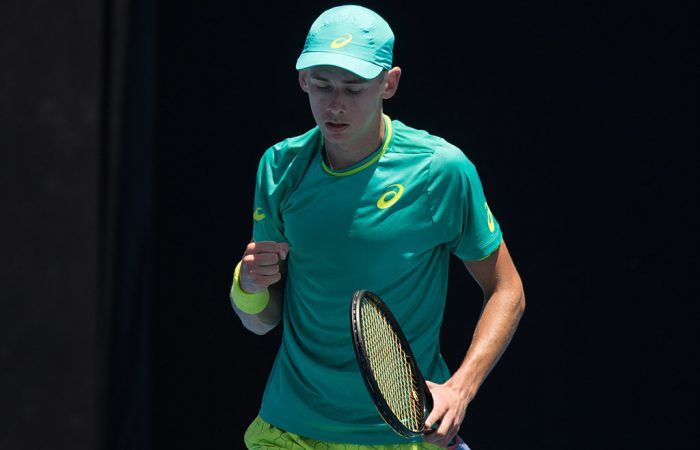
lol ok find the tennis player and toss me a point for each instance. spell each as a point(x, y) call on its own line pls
point(364, 201)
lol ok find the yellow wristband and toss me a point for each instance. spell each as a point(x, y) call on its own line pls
point(245, 301)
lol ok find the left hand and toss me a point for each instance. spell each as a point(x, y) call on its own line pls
point(449, 408)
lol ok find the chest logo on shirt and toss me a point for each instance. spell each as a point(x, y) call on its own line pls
point(342, 41)
point(489, 218)
point(258, 215)
point(391, 196)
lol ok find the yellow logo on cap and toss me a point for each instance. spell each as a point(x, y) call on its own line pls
point(342, 41)
point(390, 197)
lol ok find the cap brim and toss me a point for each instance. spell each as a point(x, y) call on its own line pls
point(357, 66)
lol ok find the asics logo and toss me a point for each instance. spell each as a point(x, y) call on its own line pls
point(258, 215)
point(342, 41)
point(390, 197)
point(489, 218)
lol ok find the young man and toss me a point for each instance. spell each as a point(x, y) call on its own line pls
point(364, 202)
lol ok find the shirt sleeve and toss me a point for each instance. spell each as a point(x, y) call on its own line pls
point(269, 195)
point(461, 215)
point(280, 170)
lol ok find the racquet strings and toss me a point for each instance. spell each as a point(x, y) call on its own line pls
point(388, 362)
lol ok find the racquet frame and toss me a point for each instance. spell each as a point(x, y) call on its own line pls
point(359, 344)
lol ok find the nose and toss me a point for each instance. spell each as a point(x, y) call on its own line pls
point(336, 104)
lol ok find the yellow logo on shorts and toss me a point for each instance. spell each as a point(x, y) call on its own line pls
point(258, 215)
point(342, 41)
point(390, 197)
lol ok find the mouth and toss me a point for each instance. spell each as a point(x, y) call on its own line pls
point(336, 126)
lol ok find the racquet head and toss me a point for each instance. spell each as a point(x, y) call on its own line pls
point(387, 366)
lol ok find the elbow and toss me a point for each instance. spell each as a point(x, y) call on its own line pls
point(520, 304)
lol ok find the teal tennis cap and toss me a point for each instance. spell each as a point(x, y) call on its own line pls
point(350, 37)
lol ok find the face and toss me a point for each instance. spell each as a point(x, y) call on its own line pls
point(347, 108)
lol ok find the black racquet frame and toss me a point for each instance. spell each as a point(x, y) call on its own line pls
point(380, 403)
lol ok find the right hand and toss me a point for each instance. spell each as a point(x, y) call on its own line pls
point(261, 265)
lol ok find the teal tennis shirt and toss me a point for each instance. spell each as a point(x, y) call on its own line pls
point(387, 224)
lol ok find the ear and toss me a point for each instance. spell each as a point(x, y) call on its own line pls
point(391, 83)
point(303, 83)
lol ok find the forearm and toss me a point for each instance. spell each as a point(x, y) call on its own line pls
point(494, 331)
point(258, 285)
point(268, 318)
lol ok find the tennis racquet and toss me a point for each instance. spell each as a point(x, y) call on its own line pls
point(388, 367)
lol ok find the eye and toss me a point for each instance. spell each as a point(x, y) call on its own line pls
point(322, 87)
point(353, 91)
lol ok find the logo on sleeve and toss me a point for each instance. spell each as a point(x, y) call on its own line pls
point(391, 196)
point(342, 41)
point(489, 218)
point(258, 215)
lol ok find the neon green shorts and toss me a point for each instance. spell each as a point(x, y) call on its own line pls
point(260, 435)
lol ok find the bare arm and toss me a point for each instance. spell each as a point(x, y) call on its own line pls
point(504, 304)
point(263, 267)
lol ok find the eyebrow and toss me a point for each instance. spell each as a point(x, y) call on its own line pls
point(347, 81)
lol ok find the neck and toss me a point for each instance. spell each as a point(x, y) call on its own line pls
point(339, 155)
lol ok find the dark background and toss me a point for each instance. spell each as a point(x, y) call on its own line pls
point(130, 134)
